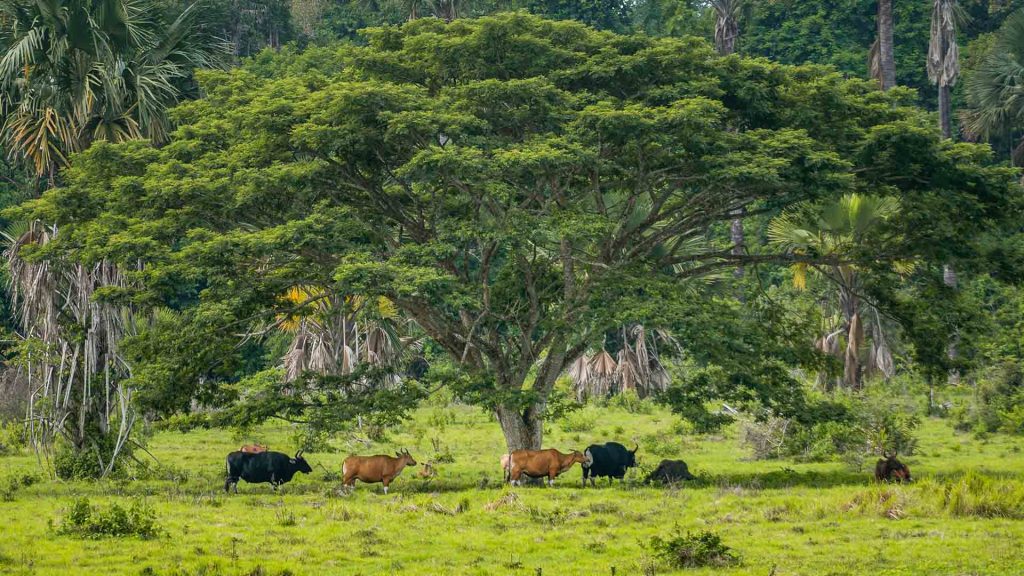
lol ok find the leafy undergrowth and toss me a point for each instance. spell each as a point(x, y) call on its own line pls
point(963, 515)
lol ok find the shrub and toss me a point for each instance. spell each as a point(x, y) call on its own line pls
point(71, 463)
point(87, 521)
point(631, 402)
point(690, 550)
point(13, 438)
point(314, 440)
point(583, 420)
point(14, 483)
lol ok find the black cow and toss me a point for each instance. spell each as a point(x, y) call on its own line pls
point(611, 460)
point(274, 467)
point(670, 471)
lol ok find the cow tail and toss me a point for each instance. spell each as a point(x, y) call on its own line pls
point(508, 467)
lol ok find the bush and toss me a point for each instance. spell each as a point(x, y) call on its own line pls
point(314, 440)
point(631, 402)
point(87, 521)
point(689, 550)
point(14, 483)
point(13, 438)
point(583, 420)
point(999, 404)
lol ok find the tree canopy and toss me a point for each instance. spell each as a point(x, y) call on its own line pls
point(515, 186)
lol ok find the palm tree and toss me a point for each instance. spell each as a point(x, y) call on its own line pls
point(726, 26)
point(638, 368)
point(82, 70)
point(836, 231)
point(944, 57)
point(726, 31)
point(995, 90)
point(882, 59)
point(334, 333)
point(70, 348)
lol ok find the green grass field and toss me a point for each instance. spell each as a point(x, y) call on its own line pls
point(964, 515)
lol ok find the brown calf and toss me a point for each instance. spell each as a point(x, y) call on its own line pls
point(427, 471)
point(253, 449)
point(539, 463)
point(372, 469)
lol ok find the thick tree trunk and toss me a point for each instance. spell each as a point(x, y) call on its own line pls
point(886, 53)
point(522, 428)
point(945, 112)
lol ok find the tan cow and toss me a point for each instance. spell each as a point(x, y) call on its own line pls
point(253, 449)
point(373, 469)
point(539, 463)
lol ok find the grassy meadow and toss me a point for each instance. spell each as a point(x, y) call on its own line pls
point(963, 516)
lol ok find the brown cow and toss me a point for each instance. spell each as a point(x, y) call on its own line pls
point(253, 449)
point(539, 463)
point(372, 469)
point(891, 470)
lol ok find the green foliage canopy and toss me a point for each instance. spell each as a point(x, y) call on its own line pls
point(516, 186)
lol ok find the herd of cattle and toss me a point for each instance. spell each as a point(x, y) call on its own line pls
point(255, 464)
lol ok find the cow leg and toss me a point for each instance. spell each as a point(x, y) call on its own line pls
point(586, 473)
point(228, 482)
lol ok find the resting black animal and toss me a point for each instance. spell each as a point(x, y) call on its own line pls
point(611, 460)
point(274, 467)
point(892, 470)
point(670, 471)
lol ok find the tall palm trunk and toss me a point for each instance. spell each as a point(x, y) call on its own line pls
point(726, 32)
point(886, 52)
point(949, 278)
point(945, 112)
point(944, 57)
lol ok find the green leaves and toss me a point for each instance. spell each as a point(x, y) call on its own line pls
point(517, 187)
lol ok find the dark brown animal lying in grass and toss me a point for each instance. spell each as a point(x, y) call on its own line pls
point(891, 470)
point(539, 463)
point(378, 468)
point(253, 449)
point(670, 471)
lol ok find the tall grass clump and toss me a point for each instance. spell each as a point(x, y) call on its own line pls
point(979, 495)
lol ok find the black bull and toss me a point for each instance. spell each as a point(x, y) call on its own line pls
point(274, 467)
point(611, 459)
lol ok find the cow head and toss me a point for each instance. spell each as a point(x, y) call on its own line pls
point(577, 456)
point(405, 457)
point(300, 463)
point(631, 459)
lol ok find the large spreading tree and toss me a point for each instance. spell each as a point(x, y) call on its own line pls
point(516, 187)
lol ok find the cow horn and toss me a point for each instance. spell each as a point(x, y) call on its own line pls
point(298, 454)
point(637, 447)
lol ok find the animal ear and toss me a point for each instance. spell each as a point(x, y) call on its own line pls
point(399, 454)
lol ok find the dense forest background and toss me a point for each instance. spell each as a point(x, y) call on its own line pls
point(912, 272)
